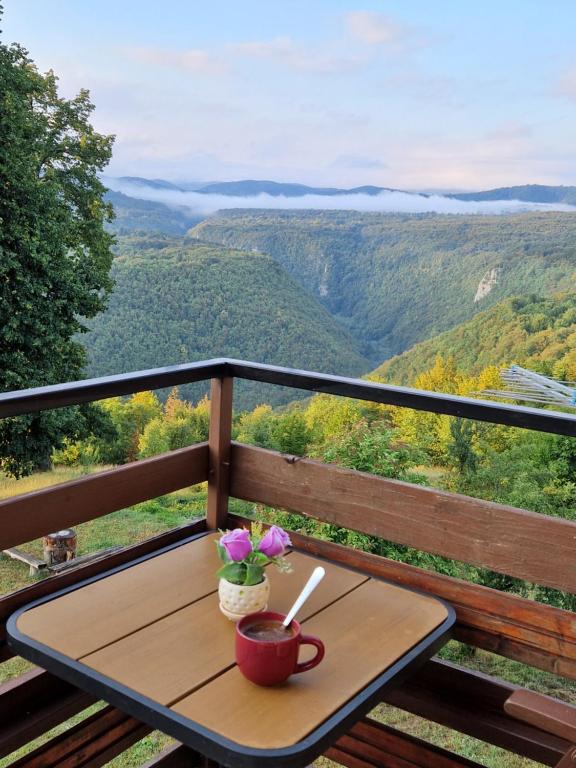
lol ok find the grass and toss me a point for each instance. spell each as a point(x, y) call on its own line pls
point(124, 527)
point(128, 526)
point(9, 486)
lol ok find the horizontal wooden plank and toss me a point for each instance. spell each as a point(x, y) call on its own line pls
point(406, 397)
point(31, 515)
point(25, 557)
point(512, 541)
point(176, 756)
point(139, 660)
point(511, 626)
point(87, 619)
point(87, 390)
point(34, 703)
point(14, 600)
point(90, 744)
point(385, 746)
point(340, 757)
point(473, 703)
point(543, 712)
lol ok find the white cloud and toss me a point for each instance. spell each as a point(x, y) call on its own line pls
point(358, 162)
point(509, 131)
point(190, 60)
point(283, 50)
point(567, 86)
point(385, 202)
point(378, 29)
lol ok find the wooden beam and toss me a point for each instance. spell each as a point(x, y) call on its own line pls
point(34, 563)
point(14, 600)
point(473, 703)
point(34, 703)
point(522, 544)
point(219, 451)
point(543, 712)
point(340, 757)
point(569, 759)
point(382, 745)
point(175, 756)
point(90, 744)
point(26, 517)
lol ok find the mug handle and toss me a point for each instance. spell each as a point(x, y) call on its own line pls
point(310, 640)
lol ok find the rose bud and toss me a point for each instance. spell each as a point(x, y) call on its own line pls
point(237, 544)
point(274, 542)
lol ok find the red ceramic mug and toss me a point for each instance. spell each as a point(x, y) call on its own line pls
point(272, 661)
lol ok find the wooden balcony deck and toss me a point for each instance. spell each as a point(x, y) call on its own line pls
point(510, 541)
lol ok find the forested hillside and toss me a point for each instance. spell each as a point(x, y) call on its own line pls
point(397, 279)
point(135, 215)
point(537, 332)
point(175, 302)
point(529, 193)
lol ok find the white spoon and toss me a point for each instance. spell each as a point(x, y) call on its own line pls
point(317, 576)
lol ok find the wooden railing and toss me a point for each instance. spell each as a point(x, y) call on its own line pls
point(511, 541)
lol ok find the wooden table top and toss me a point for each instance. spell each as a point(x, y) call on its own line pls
point(155, 629)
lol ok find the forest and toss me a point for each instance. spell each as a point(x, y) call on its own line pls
point(396, 279)
point(537, 332)
point(176, 301)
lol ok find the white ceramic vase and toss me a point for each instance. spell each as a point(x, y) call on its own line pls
point(237, 601)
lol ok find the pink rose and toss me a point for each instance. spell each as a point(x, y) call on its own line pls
point(237, 544)
point(274, 542)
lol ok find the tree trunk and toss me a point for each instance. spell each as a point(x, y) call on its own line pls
point(59, 547)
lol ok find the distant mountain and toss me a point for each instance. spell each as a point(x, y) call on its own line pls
point(533, 331)
point(396, 279)
point(528, 193)
point(137, 215)
point(176, 301)
point(138, 181)
point(250, 188)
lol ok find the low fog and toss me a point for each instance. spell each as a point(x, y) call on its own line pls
point(385, 202)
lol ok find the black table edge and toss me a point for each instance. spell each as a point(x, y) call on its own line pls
point(211, 744)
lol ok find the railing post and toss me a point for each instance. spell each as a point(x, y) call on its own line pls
point(219, 451)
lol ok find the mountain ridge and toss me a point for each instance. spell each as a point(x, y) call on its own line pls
point(533, 193)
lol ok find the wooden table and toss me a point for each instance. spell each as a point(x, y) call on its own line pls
point(150, 639)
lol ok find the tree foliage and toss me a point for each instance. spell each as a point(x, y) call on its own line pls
point(538, 332)
point(180, 424)
point(398, 279)
point(177, 301)
point(55, 255)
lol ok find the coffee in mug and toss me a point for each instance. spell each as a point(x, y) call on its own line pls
point(267, 652)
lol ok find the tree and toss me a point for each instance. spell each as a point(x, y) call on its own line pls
point(130, 418)
point(255, 427)
point(55, 254)
point(290, 434)
point(180, 424)
point(460, 449)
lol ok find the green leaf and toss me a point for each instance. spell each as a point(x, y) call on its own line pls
point(222, 553)
point(254, 575)
point(235, 573)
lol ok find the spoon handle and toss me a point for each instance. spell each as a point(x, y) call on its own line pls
point(315, 579)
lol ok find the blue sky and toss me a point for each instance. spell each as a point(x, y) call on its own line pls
point(415, 95)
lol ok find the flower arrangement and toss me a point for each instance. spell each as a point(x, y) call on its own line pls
point(245, 553)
